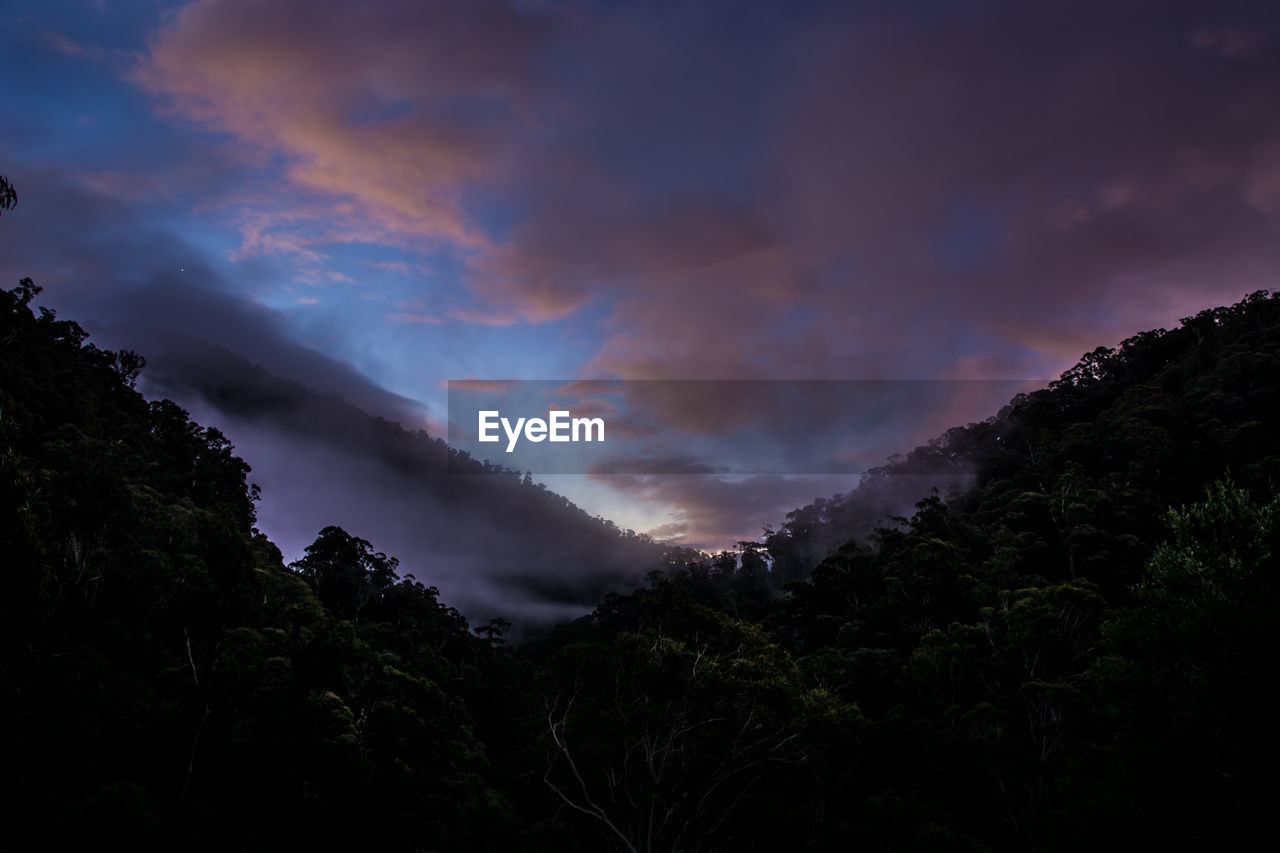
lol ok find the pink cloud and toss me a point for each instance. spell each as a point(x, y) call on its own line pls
point(361, 100)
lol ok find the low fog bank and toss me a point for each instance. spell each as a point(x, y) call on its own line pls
point(493, 545)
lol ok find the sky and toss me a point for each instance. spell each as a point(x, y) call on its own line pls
point(375, 198)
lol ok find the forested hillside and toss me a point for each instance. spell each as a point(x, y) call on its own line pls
point(1074, 653)
point(1087, 466)
point(493, 541)
point(166, 680)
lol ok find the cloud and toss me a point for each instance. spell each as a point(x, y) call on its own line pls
point(930, 194)
point(393, 107)
point(894, 191)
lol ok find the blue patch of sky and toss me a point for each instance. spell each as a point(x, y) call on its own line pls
point(80, 106)
point(373, 112)
point(797, 320)
point(214, 244)
point(414, 359)
point(496, 213)
point(356, 323)
point(970, 341)
point(471, 109)
point(964, 244)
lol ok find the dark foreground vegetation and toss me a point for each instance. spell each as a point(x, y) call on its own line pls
point(1075, 653)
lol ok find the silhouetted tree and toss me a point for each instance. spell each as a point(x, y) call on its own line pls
point(345, 571)
point(8, 196)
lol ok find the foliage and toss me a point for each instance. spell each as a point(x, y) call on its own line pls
point(8, 195)
point(1187, 676)
point(166, 680)
point(686, 731)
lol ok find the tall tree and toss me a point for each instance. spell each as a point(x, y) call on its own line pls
point(8, 196)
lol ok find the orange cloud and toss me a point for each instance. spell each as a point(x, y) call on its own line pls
point(368, 104)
